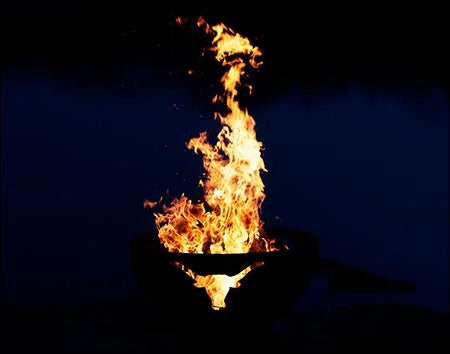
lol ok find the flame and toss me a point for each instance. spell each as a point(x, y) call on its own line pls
point(217, 285)
point(150, 204)
point(227, 220)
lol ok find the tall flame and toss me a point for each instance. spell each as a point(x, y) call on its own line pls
point(228, 220)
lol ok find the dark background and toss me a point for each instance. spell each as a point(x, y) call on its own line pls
point(351, 105)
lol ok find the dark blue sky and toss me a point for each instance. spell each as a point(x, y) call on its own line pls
point(365, 169)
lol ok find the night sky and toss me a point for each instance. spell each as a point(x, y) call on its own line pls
point(358, 156)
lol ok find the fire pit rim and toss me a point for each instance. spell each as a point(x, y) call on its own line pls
point(233, 263)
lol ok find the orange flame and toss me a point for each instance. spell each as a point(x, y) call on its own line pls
point(228, 220)
point(150, 204)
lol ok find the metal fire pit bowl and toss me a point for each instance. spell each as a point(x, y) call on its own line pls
point(265, 294)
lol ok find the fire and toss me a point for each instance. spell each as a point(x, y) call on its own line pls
point(227, 220)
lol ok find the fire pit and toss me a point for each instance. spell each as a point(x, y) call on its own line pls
point(265, 295)
point(279, 281)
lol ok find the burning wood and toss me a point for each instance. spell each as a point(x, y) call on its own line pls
point(228, 220)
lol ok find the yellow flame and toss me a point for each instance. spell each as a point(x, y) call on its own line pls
point(228, 219)
point(217, 285)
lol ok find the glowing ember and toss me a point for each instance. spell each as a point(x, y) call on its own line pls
point(228, 220)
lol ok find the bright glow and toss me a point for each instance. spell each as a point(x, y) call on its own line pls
point(228, 220)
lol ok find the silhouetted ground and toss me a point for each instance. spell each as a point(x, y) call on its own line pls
point(130, 326)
